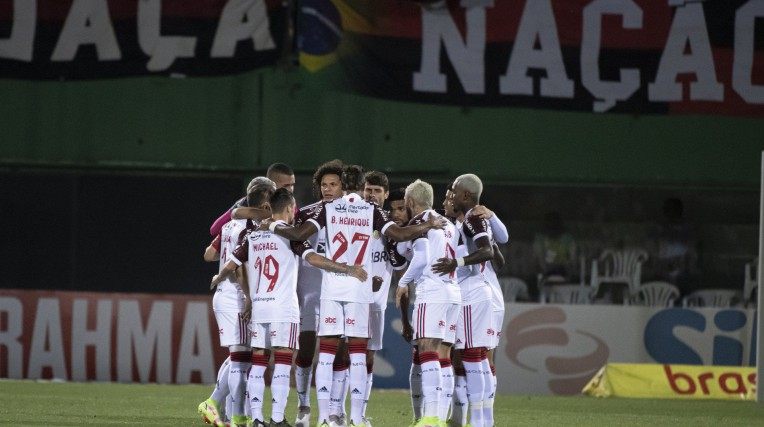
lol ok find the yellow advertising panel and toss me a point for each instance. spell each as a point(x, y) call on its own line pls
point(673, 382)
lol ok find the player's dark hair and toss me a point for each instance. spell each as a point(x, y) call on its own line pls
point(278, 169)
point(281, 199)
point(332, 167)
point(397, 194)
point(259, 194)
point(352, 178)
point(377, 178)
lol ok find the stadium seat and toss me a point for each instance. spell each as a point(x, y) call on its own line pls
point(656, 294)
point(713, 298)
point(513, 288)
point(619, 266)
point(567, 294)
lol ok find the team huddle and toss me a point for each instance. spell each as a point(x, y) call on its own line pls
point(290, 278)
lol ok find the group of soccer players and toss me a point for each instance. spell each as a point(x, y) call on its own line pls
point(290, 277)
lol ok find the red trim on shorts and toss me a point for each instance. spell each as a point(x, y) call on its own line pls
point(445, 363)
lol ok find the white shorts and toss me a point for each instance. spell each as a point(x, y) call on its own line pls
point(498, 322)
point(376, 329)
point(275, 334)
point(436, 320)
point(232, 328)
point(475, 326)
point(350, 319)
point(309, 297)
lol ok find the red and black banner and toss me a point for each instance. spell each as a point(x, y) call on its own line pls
point(628, 56)
point(88, 39)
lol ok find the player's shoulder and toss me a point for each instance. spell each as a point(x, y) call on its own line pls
point(418, 219)
point(473, 223)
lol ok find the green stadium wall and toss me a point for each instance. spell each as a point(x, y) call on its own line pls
point(245, 122)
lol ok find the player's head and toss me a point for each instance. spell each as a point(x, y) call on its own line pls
point(398, 212)
point(418, 196)
point(327, 181)
point(259, 180)
point(282, 205)
point(282, 175)
point(376, 188)
point(448, 204)
point(352, 179)
point(259, 195)
point(467, 190)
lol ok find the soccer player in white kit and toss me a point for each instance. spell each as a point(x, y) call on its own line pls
point(438, 299)
point(344, 309)
point(273, 264)
point(231, 306)
point(475, 331)
point(385, 260)
point(498, 233)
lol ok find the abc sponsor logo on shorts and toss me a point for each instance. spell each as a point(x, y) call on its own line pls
point(273, 333)
point(331, 320)
point(452, 327)
point(220, 331)
point(441, 324)
point(350, 321)
point(490, 332)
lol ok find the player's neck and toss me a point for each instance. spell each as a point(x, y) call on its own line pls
point(416, 210)
point(281, 217)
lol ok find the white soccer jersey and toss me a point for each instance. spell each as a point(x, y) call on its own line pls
point(228, 299)
point(384, 259)
point(350, 222)
point(272, 263)
point(430, 286)
point(497, 296)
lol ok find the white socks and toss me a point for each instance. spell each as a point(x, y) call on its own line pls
point(303, 373)
point(488, 392)
point(221, 386)
point(280, 384)
point(430, 382)
point(415, 383)
point(473, 367)
point(358, 380)
point(324, 373)
point(338, 393)
point(460, 403)
point(237, 381)
point(447, 388)
point(256, 385)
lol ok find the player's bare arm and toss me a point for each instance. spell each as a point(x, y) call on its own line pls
point(320, 261)
point(299, 233)
point(211, 254)
point(256, 214)
point(498, 258)
point(225, 273)
point(402, 234)
point(403, 304)
point(483, 253)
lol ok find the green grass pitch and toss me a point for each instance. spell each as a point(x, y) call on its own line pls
point(72, 404)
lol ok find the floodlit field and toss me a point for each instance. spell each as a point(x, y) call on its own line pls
point(69, 404)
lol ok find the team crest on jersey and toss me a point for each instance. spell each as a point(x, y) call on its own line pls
point(375, 234)
point(341, 208)
point(254, 236)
